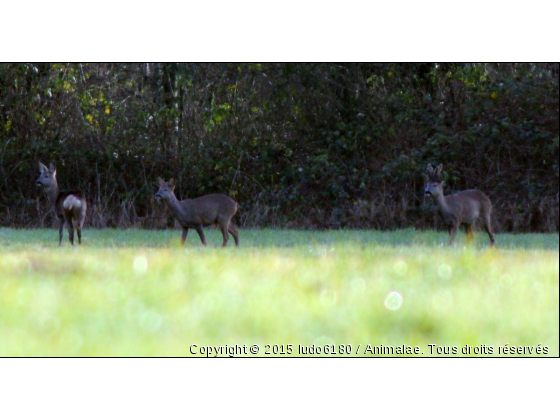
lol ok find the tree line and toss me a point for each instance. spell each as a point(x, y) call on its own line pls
point(308, 145)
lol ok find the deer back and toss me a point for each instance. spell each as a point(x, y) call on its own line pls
point(466, 206)
point(207, 210)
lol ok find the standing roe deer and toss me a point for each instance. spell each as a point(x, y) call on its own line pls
point(462, 208)
point(199, 212)
point(69, 206)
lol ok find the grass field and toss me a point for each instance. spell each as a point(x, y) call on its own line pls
point(138, 293)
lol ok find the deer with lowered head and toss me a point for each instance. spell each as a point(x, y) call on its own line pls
point(196, 213)
point(460, 209)
point(69, 206)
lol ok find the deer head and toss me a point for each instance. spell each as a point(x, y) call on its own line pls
point(47, 178)
point(434, 182)
point(165, 191)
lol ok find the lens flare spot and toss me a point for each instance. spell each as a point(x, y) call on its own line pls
point(506, 280)
point(151, 321)
point(24, 266)
point(445, 271)
point(328, 298)
point(358, 285)
point(140, 264)
point(393, 301)
point(25, 295)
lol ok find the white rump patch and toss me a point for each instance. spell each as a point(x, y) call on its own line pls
point(71, 202)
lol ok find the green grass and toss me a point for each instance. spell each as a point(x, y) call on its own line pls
point(138, 293)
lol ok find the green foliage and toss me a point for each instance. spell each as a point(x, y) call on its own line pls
point(307, 145)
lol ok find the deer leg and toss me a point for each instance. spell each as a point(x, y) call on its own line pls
point(201, 234)
point(487, 224)
point(469, 232)
point(70, 232)
point(78, 227)
point(184, 236)
point(60, 231)
point(452, 234)
point(225, 234)
point(82, 219)
point(233, 230)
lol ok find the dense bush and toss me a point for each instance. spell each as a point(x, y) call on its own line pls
point(297, 145)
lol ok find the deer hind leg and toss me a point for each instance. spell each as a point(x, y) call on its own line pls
point(233, 230)
point(60, 231)
point(70, 225)
point(487, 224)
point(201, 234)
point(469, 232)
point(184, 235)
point(452, 234)
point(224, 227)
point(78, 226)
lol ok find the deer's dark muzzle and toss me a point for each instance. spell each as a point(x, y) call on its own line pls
point(158, 197)
point(39, 183)
point(427, 194)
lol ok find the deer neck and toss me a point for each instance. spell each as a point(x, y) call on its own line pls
point(443, 204)
point(175, 205)
point(52, 192)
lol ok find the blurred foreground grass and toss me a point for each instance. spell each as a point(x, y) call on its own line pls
point(138, 293)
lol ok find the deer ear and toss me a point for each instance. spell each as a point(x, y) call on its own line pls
point(430, 169)
point(171, 183)
point(42, 168)
point(159, 181)
point(52, 168)
point(439, 169)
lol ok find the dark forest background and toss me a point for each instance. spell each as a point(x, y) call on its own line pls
point(297, 145)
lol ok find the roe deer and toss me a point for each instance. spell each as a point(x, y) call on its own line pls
point(211, 209)
point(462, 208)
point(69, 206)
